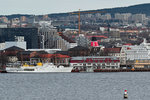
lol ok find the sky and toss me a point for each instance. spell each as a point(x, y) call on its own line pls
point(41, 7)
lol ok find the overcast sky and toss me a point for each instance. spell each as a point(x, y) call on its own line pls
point(37, 7)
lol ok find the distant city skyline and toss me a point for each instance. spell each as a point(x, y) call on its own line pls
point(41, 7)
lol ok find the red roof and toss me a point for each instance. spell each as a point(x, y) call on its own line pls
point(66, 38)
point(61, 56)
point(53, 55)
point(98, 36)
point(46, 55)
point(128, 44)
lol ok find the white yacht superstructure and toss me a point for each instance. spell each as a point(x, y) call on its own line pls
point(45, 68)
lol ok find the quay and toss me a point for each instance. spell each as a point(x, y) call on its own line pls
point(104, 70)
point(122, 70)
point(113, 70)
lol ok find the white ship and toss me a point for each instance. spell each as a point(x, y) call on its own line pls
point(45, 68)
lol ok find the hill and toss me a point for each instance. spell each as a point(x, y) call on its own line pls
point(135, 9)
point(141, 8)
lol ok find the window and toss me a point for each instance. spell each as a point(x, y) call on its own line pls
point(113, 67)
point(103, 64)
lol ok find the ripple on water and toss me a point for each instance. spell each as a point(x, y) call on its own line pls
point(75, 86)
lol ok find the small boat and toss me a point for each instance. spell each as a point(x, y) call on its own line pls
point(44, 68)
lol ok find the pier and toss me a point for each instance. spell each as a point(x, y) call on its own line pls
point(112, 70)
point(122, 70)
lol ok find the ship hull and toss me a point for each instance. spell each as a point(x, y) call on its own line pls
point(46, 68)
point(11, 70)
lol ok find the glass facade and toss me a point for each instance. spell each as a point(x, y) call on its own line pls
point(30, 35)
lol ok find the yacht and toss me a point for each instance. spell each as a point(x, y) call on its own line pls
point(44, 68)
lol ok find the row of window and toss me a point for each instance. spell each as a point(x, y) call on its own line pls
point(102, 64)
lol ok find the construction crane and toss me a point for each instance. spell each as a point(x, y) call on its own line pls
point(95, 43)
point(79, 13)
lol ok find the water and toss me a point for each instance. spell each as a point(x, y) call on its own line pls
point(75, 86)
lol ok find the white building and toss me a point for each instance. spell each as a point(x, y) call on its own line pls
point(138, 17)
point(102, 62)
point(106, 16)
point(50, 51)
point(89, 15)
point(3, 26)
point(15, 22)
point(124, 16)
point(134, 52)
point(19, 42)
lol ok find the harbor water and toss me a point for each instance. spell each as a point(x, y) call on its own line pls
point(75, 86)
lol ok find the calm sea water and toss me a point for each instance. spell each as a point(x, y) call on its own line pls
point(75, 86)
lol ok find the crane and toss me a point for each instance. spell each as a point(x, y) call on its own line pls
point(79, 13)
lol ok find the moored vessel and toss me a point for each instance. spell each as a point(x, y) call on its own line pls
point(44, 68)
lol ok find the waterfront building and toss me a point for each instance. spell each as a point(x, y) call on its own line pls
point(141, 63)
point(101, 62)
point(57, 59)
point(135, 52)
point(11, 53)
point(34, 57)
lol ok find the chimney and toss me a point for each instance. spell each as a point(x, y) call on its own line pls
point(94, 42)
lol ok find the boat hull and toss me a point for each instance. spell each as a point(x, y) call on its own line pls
point(66, 69)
